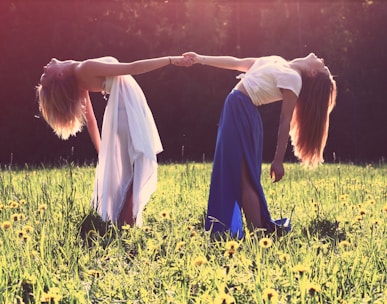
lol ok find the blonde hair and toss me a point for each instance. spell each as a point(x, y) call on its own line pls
point(61, 105)
point(310, 121)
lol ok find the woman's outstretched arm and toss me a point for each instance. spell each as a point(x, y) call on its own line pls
point(223, 62)
point(95, 67)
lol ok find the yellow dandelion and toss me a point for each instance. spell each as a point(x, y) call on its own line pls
point(1, 207)
point(199, 261)
point(375, 222)
point(14, 204)
point(313, 288)
point(344, 244)
point(232, 245)
point(343, 197)
point(42, 207)
point(301, 269)
point(358, 218)
point(14, 217)
point(21, 217)
point(6, 225)
point(28, 229)
point(384, 209)
point(270, 295)
point(229, 253)
point(20, 233)
point(179, 245)
point(224, 299)
point(23, 202)
point(371, 201)
point(164, 214)
point(93, 273)
point(126, 227)
point(193, 233)
point(146, 229)
point(265, 243)
point(362, 211)
point(26, 237)
point(284, 257)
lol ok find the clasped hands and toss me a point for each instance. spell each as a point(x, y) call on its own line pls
point(186, 60)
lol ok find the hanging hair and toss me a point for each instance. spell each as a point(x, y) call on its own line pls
point(61, 105)
point(310, 121)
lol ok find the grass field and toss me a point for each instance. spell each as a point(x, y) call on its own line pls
point(335, 253)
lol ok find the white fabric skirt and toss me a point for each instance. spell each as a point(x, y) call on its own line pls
point(129, 145)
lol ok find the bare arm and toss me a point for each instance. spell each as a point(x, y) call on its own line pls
point(223, 62)
point(91, 123)
point(100, 68)
point(288, 104)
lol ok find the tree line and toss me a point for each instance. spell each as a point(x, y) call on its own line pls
point(186, 102)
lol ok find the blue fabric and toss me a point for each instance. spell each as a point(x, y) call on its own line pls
point(240, 134)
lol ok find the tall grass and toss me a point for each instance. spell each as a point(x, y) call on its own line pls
point(53, 248)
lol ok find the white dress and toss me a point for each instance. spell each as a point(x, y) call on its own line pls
point(129, 145)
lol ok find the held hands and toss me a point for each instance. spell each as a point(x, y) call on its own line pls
point(277, 171)
point(194, 57)
point(181, 61)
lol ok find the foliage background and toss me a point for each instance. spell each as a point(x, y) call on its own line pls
point(186, 103)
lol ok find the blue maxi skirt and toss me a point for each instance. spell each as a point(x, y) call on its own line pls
point(240, 135)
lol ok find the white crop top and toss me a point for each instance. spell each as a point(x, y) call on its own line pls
point(267, 76)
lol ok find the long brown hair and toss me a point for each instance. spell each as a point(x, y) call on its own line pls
point(310, 121)
point(61, 105)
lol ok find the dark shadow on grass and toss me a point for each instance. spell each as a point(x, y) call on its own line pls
point(323, 229)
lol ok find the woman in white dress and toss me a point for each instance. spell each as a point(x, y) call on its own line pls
point(126, 173)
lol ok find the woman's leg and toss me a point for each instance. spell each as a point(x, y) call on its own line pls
point(126, 214)
point(250, 201)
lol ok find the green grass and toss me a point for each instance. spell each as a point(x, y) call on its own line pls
point(50, 252)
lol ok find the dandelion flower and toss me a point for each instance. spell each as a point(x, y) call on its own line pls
point(179, 245)
point(1, 207)
point(14, 204)
point(344, 244)
point(313, 288)
point(232, 245)
point(21, 216)
point(43, 207)
point(93, 273)
point(224, 299)
point(164, 214)
point(126, 227)
point(270, 295)
point(229, 253)
point(284, 257)
point(20, 233)
point(362, 211)
point(28, 229)
point(14, 217)
point(301, 269)
point(384, 209)
point(199, 261)
point(23, 202)
point(6, 225)
point(265, 243)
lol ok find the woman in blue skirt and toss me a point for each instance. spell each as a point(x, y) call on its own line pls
point(308, 93)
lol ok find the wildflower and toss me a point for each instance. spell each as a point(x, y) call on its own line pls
point(26, 237)
point(21, 216)
point(6, 225)
point(53, 295)
point(1, 207)
point(14, 217)
point(284, 257)
point(270, 295)
point(301, 269)
point(362, 212)
point(384, 209)
point(199, 261)
point(42, 207)
point(232, 245)
point(164, 214)
point(358, 218)
point(13, 204)
point(375, 222)
point(179, 245)
point(343, 197)
point(23, 202)
point(371, 201)
point(229, 253)
point(28, 229)
point(265, 243)
point(126, 227)
point(224, 299)
point(93, 273)
point(313, 288)
point(344, 244)
point(20, 233)
point(146, 229)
